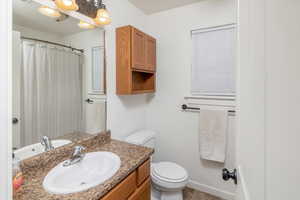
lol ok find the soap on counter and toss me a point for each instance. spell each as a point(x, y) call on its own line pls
point(18, 179)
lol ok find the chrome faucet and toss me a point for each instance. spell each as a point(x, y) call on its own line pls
point(76, 157)
point(46, 142)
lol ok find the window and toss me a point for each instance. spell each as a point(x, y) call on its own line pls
point(213, 61)
point(97, 70)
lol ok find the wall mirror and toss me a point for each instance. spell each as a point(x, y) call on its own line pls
point(58, 79)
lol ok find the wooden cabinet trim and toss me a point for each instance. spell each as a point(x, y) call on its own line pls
point(123, 60)
point(123, 190)
point(143, 192)
point(138, 50)
point(150, 53)
point(143, 172)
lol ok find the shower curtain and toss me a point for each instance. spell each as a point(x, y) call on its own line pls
point(51, 92)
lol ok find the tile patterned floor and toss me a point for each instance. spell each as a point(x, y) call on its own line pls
point(190, 194)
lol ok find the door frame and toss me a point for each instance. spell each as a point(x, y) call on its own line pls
point(16, 88)
point(251, 100)
point(6, 99)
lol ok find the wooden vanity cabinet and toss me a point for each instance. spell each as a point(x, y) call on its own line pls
point(136, 186)
point(123, 190)
point(143, 192)
point(136, 61)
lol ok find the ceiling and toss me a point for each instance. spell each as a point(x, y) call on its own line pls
point(25, 13)
point(153, 6)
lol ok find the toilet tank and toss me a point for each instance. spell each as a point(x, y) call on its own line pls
point(142, 137)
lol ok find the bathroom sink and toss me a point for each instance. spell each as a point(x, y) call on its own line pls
point(35, 149)
point(93, 170)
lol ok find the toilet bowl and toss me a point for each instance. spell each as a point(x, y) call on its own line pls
point(167, 178)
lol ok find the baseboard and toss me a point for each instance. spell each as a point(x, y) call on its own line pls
point(211, 190)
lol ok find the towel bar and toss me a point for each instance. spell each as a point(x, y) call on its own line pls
point(185, 107)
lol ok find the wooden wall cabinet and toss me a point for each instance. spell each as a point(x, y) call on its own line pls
point(136, 61)
point(137, 186)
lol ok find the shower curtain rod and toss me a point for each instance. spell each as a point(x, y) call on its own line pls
point(62, 45)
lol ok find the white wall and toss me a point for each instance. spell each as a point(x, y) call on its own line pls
point(178, 131)
point(125, 113)
point(282, 99)
point(32, 33)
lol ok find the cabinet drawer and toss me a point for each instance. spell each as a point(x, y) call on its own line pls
point(143, 172)
point(123, 190)
point(143, 192)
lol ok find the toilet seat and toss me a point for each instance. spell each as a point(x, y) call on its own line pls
point(169, 172)
point(168, 176)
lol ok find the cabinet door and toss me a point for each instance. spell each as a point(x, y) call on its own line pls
point(143, 172)
point(150, 53)
point(143, 192)
point(123, 190)
point(138, 50)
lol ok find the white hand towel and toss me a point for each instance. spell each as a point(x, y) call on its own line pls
point(213, 134)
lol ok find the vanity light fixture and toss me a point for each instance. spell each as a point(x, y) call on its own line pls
point(49, 12)
point(69, 5)
point(102, 17)
point(85, 25)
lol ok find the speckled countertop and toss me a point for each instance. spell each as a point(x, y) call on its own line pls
point(36, 168)
point(74, 137)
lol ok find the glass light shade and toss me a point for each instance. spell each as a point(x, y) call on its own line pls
point(102, 17)
point(69, 5)
point(85, 25)
point(49, 12)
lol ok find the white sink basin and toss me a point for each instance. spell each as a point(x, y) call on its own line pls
point(93, 170)
point(35, 149)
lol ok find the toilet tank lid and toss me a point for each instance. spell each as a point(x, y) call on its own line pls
point(141, 137)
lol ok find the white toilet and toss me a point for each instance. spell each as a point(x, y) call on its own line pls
point(168, 179)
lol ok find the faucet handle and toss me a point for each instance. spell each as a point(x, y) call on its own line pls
point(46, 142)
point(78, 150)
point(76, 157)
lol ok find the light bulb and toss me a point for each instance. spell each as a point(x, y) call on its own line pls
point(102, 17)
point(67, 2)
point(85, 25)
point(49, 12)
point(69, 5)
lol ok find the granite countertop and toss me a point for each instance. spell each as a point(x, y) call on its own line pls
point(36, 168)
point(74, 137)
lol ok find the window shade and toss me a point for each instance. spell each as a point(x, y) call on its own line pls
point(213, 67)
point(98, 70)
